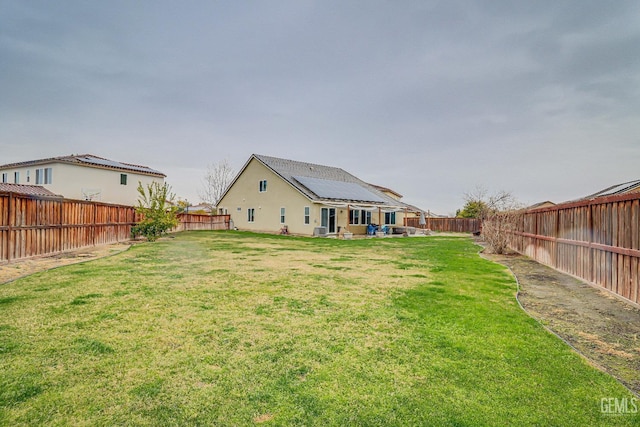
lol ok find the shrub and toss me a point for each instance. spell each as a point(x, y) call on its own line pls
point(159, 214)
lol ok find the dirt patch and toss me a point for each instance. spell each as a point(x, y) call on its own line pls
point(21, 268)
point(604, 328)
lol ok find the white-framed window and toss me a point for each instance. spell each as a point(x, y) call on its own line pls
point(28, 177)
point(359, 217)
point(307, 215)
point(282, 215)
point(5, 178)
point(263, 186)
point(16, 177)
point(389, 217)
point(354, 217)
point(44, 176)
point(251, 212)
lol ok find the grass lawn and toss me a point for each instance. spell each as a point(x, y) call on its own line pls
point(229, 328)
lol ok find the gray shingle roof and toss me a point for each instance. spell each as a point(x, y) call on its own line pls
point(87, 160)
point(290, 169)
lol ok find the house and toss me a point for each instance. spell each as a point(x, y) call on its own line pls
point(389, 192)
point(614, 190)
point(83, 177)
point(270, 193)
point(201, 208)
point(541, 205)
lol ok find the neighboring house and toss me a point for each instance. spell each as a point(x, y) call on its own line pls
point(27, 190)
point(389, 192)
point(202, 208)
point(540, 205)
point(270, 193)
point(83, 177)
point(614, 190)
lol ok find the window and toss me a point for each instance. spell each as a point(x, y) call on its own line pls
point(307, 215)
point(366, 217)
point(359, 217)
point(354, 217)
point(44, 176)
point(28, 177)
point(389, 217)
point(5, 178)
point(263, 185)
point(251, 214)
point(16, 177)
point(123, 179)
point(282, 211)
point(48, 178)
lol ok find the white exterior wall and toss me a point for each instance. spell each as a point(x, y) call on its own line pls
point(70, 180)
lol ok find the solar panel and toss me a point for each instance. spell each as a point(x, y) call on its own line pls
point(328, 189)
point(111, 163)
point(618, 188)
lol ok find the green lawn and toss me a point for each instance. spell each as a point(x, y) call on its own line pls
point(230, 328)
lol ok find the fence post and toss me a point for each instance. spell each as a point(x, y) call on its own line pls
point(9, 229)
point(61, 228)
point(93, 228)
point(590, 241)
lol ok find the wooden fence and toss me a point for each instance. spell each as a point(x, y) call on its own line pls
point(596, 240)
point(32, 226)
point(456, 225)
point(203, 222)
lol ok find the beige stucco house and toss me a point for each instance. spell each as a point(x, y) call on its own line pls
point(270, 193)
point(83, 177)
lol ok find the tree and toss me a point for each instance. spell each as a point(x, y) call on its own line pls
point(472, 209)
point(498, 213)
point(159, 214)
point(216, 181)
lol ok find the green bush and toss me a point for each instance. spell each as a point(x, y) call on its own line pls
point(159, 214)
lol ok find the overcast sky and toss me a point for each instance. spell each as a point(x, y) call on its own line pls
point(429, 98)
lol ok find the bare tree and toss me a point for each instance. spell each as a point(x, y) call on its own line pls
point(215, 182)
point(498, 213)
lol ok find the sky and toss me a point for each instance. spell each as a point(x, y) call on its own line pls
point(432, 99)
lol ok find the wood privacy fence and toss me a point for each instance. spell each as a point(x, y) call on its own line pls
point(203, 222)
point(32, 226)
point(597, 240)
point(457, 225)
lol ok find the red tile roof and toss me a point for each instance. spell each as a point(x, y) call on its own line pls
point(30, 190)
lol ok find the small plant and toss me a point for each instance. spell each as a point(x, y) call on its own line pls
point(159, 214)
